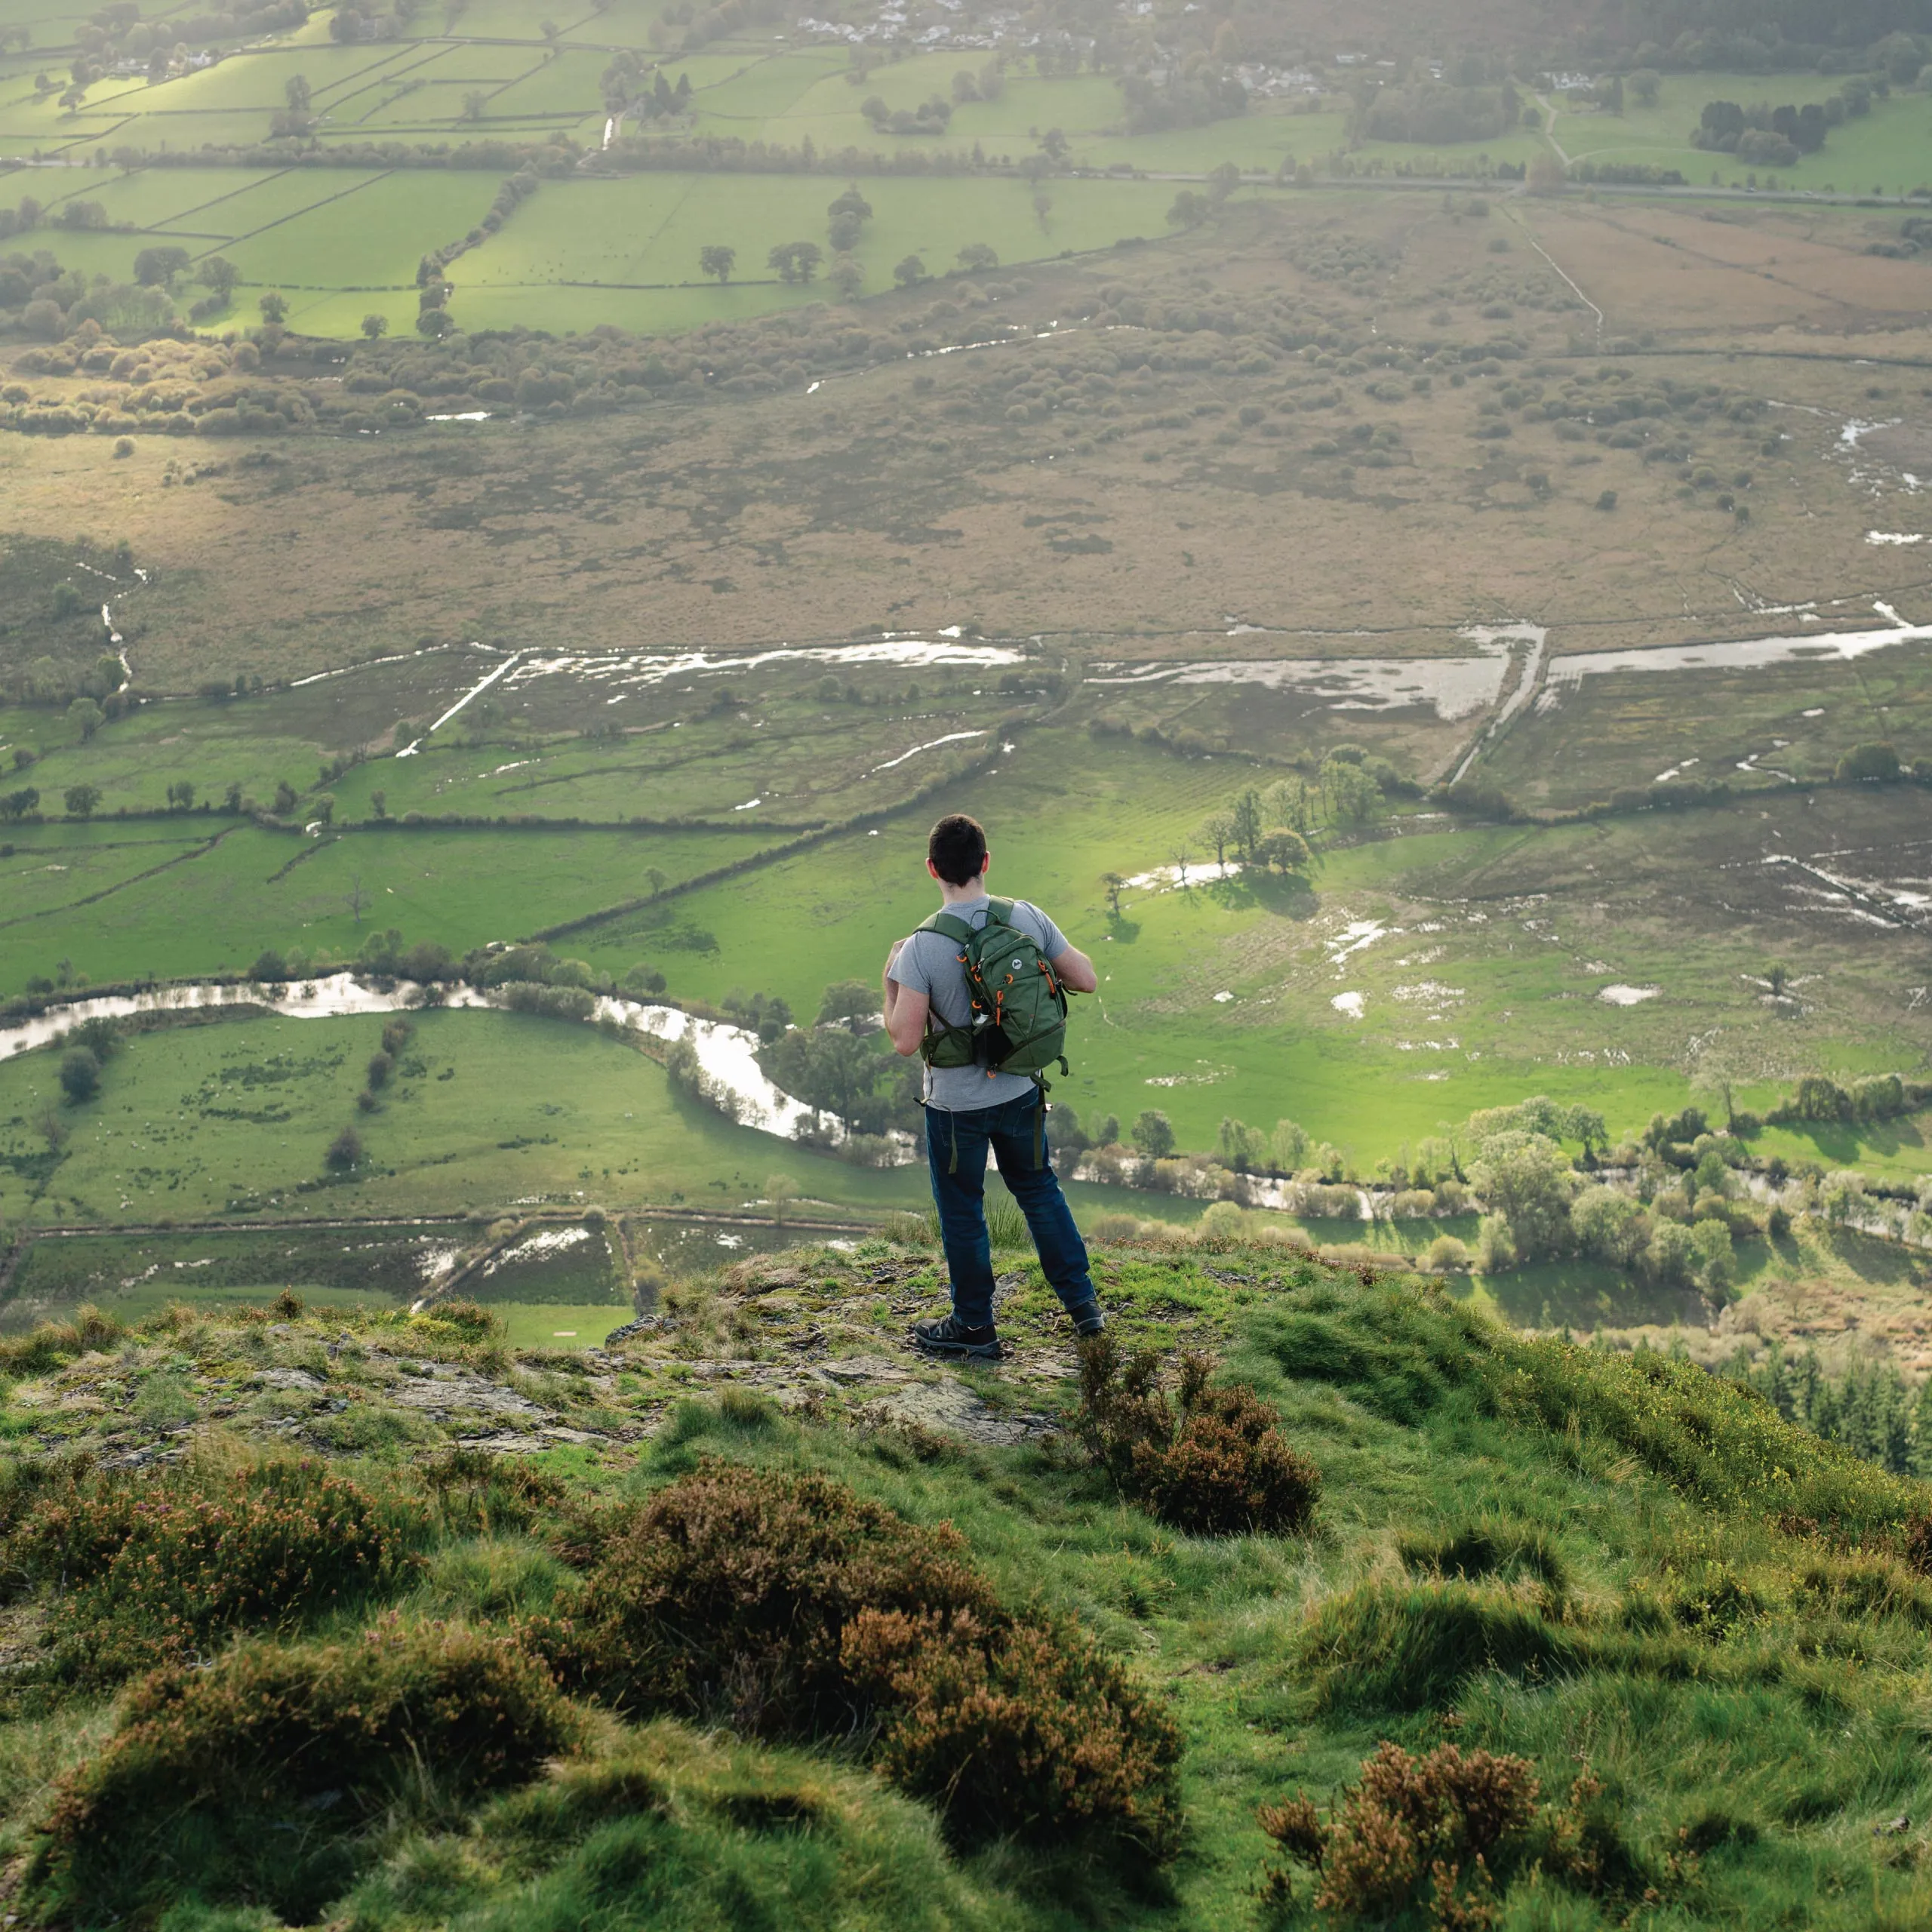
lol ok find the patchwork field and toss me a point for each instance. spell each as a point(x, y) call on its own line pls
point(488, 89)
point(669, 671)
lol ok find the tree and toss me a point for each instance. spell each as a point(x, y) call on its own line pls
point(1154, 1134)
point(977, 258)
point(81, 800)
point(218, 275)
point(181, 795)
point(1868, 764)
point(846, 277)
point(1112, 884)
point(849, 1001)
point(17, 804)
point(1712, 1261)
point(1240, 1146)
point(1777, 977)
point(1644, 83)
point(1217, 829)
point(274, 306)
point(155, 268)
point(295, 91)
point(1190, 210)
point(474, 103)
point(718, 263)
point(1352, 794)
point(1181, 859)
point(780, 1191)
point(345, 1151)
point(86, 717)
point(357, 899)
point(655, 878)
point(795, 261)
point(270, 968)
point(1283, 851)
point(910, 273)
point(831, 1072)
point(1527, 1178)
point(1222, 184)
point(80, 1075)
point(1610, 1226)
point(374, 325)
point(852, 203)
point(1246, 815)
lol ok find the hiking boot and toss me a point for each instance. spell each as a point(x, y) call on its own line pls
point(1089, 1322)
point(952, 1339)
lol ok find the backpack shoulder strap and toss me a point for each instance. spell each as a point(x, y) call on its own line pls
point(949, 925)
point(999, 911)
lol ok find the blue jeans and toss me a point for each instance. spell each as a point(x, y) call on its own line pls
point(956, 1148)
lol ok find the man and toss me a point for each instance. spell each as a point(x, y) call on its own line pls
point(972, 1109)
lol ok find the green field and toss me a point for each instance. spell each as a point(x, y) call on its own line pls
point(1888, 151)
point(591, 249)
point(622, 252)
point(488, 1110)
point(93, 895)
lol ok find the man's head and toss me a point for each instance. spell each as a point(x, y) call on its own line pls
point(956, 850)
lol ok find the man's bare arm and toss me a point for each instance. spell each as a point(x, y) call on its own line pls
point(1076, 971)
point(905, 1010)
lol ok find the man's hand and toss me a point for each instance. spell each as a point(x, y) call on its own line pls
point(905, 1010)
point(1076, 972)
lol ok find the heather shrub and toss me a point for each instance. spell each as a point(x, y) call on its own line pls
point(1015, 1729)
point(1211, 1461)
point(728, 1593)
point(164, 1569)
point(1417, 1831)
point(795, 1609)
point(1918, 1544)
point(193, 1796)
point(475, 1489)
point(1441, 1834)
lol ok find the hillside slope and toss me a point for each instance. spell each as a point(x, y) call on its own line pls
point(291, 1603)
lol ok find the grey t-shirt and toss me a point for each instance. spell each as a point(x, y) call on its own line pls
point(928, 963)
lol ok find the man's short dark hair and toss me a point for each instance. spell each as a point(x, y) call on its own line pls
point(957, 847)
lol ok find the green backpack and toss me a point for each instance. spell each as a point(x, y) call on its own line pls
point(1019, 1022)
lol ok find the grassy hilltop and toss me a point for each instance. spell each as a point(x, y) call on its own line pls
point(692, 1648)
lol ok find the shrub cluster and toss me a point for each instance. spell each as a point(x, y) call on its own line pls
point(208, 1767)
point(164, 1571)
point(797, 1610)
point(1442, 1834)
point(1212, 1461)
